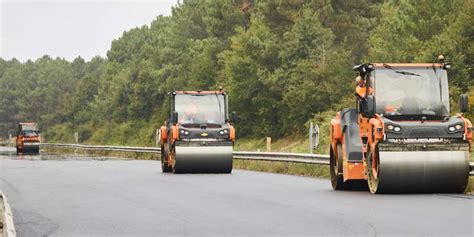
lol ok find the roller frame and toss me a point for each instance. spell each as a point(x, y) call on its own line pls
point(424, 155)
point(197, 148)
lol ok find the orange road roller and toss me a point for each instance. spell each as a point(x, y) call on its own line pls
point(198, 136)
point(401, 137)
point(27, 138)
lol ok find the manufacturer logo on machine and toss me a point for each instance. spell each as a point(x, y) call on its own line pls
point(204, 134)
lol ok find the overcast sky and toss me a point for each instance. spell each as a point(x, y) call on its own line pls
point(65, 28)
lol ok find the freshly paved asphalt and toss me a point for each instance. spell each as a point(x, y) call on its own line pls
point(82, 196)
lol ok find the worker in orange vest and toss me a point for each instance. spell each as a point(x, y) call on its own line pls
point(361, 87)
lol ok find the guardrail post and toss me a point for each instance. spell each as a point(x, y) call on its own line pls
point(269, 144)
point(10, 139)
point(76, 137)
point(313, 137)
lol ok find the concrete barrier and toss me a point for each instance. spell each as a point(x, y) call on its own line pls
point(7, 227)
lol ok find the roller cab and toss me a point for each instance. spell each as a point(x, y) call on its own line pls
point(27, 138)
point(198, 136)
point(401, 137)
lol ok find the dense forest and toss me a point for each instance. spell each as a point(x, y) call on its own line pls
point(283, 63)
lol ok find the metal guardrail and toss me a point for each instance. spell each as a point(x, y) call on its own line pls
point(283, 157)
point(5, 143)
point(471, 164)
point(7, 227)
point(241, 155)
point(105, 148)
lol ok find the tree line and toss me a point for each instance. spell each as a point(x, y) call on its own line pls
point(283, 63)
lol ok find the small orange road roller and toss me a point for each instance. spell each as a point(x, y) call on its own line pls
point(27, 138)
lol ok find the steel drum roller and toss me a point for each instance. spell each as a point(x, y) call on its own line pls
point(422, 172)
point(203, 159)
point(31, 148)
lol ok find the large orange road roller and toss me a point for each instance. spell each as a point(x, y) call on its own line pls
point(27, 138)
point(400, 138)
point(198, 136)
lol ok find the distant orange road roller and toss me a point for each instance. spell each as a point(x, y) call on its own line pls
point(198, 136)
point(400, 138)
point(27, 138)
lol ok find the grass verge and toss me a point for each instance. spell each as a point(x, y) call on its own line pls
point(309, 170)
point(470, 186)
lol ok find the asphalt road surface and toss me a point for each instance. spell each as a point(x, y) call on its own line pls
point(82, 196)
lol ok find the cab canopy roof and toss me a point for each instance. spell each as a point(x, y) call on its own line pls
point(439, 65)
point(197, 92)
point(27, 123)
point(367, 67)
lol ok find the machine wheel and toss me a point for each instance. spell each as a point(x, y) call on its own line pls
point(35, 150)
point(18, 151)
point(173, 167)
point(165, 167)
point(337, 178)
point(373, 174)
point(335, 164)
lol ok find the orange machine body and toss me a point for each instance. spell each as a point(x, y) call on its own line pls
point(180, 133)
point(371, 131)
point(27, 133)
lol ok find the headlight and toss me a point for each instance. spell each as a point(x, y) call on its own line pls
point(184, 132)
point(456, 128)
point(391, 127)
point(224, 132)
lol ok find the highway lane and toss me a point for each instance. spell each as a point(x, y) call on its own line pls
point(83, 196)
